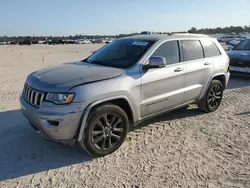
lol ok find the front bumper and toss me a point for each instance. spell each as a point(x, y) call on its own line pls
point(55, 122)
point(240, 70)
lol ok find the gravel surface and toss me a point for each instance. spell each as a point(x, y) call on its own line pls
point(185, 148)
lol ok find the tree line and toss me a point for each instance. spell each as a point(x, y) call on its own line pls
point(226, 30)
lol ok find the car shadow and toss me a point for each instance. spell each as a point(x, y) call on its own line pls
point(238, 82)
point(23, 152)
point(243, 113)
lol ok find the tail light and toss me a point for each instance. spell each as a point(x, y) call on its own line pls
point(228, 63)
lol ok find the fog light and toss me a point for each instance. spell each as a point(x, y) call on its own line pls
point(51, 123)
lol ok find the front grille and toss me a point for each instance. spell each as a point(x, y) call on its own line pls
point(239, 62)
point(32, 96)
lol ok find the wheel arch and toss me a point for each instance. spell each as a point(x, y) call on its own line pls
point(221, 77)
point(121, 101)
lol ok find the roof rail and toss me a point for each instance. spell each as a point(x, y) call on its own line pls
point(191, 34)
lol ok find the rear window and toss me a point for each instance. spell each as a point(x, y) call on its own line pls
point(192, 50)
point(210, 48)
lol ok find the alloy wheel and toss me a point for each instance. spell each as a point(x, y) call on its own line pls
point(107, 131)
point(214, 96)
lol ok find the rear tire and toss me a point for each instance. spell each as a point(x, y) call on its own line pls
point(106, 130)
point(213, 97)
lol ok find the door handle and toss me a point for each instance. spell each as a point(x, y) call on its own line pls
point(207, 63)
point(179, 69)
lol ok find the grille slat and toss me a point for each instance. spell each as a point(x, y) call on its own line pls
point(32, 96)
point(29, 94)
point(36, 95)
point(41, 99)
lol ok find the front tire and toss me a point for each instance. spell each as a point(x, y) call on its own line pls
point(213, 97)
point(106, 130)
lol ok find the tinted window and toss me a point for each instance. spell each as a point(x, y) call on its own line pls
point(210, 49)
point(121, 53)
point(169, 50)
point(192, 50)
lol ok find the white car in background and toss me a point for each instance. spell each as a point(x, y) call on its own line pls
point(226, 38)
point(237, 40)
point(83, 41)
point(3, 43)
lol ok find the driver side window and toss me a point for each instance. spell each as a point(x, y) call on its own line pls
point(170, 51)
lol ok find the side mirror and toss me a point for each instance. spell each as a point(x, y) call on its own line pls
point(94, 51)
point(156, 62)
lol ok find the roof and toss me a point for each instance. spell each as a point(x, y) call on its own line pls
point(157, 37)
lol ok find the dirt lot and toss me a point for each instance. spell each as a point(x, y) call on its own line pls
point(186, 148)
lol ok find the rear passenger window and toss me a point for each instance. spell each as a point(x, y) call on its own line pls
point(210, 48)
point(192, 50)
point(169, 50)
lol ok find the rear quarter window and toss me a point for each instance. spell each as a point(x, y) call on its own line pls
point(210, 48)
point(192, 50)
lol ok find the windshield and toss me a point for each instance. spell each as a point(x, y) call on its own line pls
point(244, 45)
point(120, 53)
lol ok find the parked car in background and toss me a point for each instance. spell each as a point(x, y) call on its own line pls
point(13, 42)
point(226, 38)
point(25, 42)
point(147, 32)
point(83, 41)
point(100, 41)
point(59, 41)
point(237, 40)
point(109, 41)
point(240, 58)
point(96, 100)
point(2, 43)
point(69, 41)
point(41, 42)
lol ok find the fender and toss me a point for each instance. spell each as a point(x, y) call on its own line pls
point(210, 80)
point(89, 107)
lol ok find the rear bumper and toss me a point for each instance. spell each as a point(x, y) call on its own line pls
point(55, 122)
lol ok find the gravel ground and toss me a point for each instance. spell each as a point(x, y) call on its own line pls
point(185, 148)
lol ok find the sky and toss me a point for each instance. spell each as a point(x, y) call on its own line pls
point(70, 17)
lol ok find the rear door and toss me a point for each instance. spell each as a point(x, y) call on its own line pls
point(163, 88)
point(198, 69)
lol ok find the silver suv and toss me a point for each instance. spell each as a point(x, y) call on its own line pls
point(96, 100)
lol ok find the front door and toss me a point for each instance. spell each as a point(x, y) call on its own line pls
point(163, 88)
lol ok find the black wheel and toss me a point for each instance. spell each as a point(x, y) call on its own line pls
point(213, 97)
point(105, 131)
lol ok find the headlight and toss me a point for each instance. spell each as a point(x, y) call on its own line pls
point(60, 98)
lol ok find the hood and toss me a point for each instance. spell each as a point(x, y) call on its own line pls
point(239, 54)
point(63, 77)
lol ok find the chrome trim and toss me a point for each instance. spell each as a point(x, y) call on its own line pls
point(32, 96)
